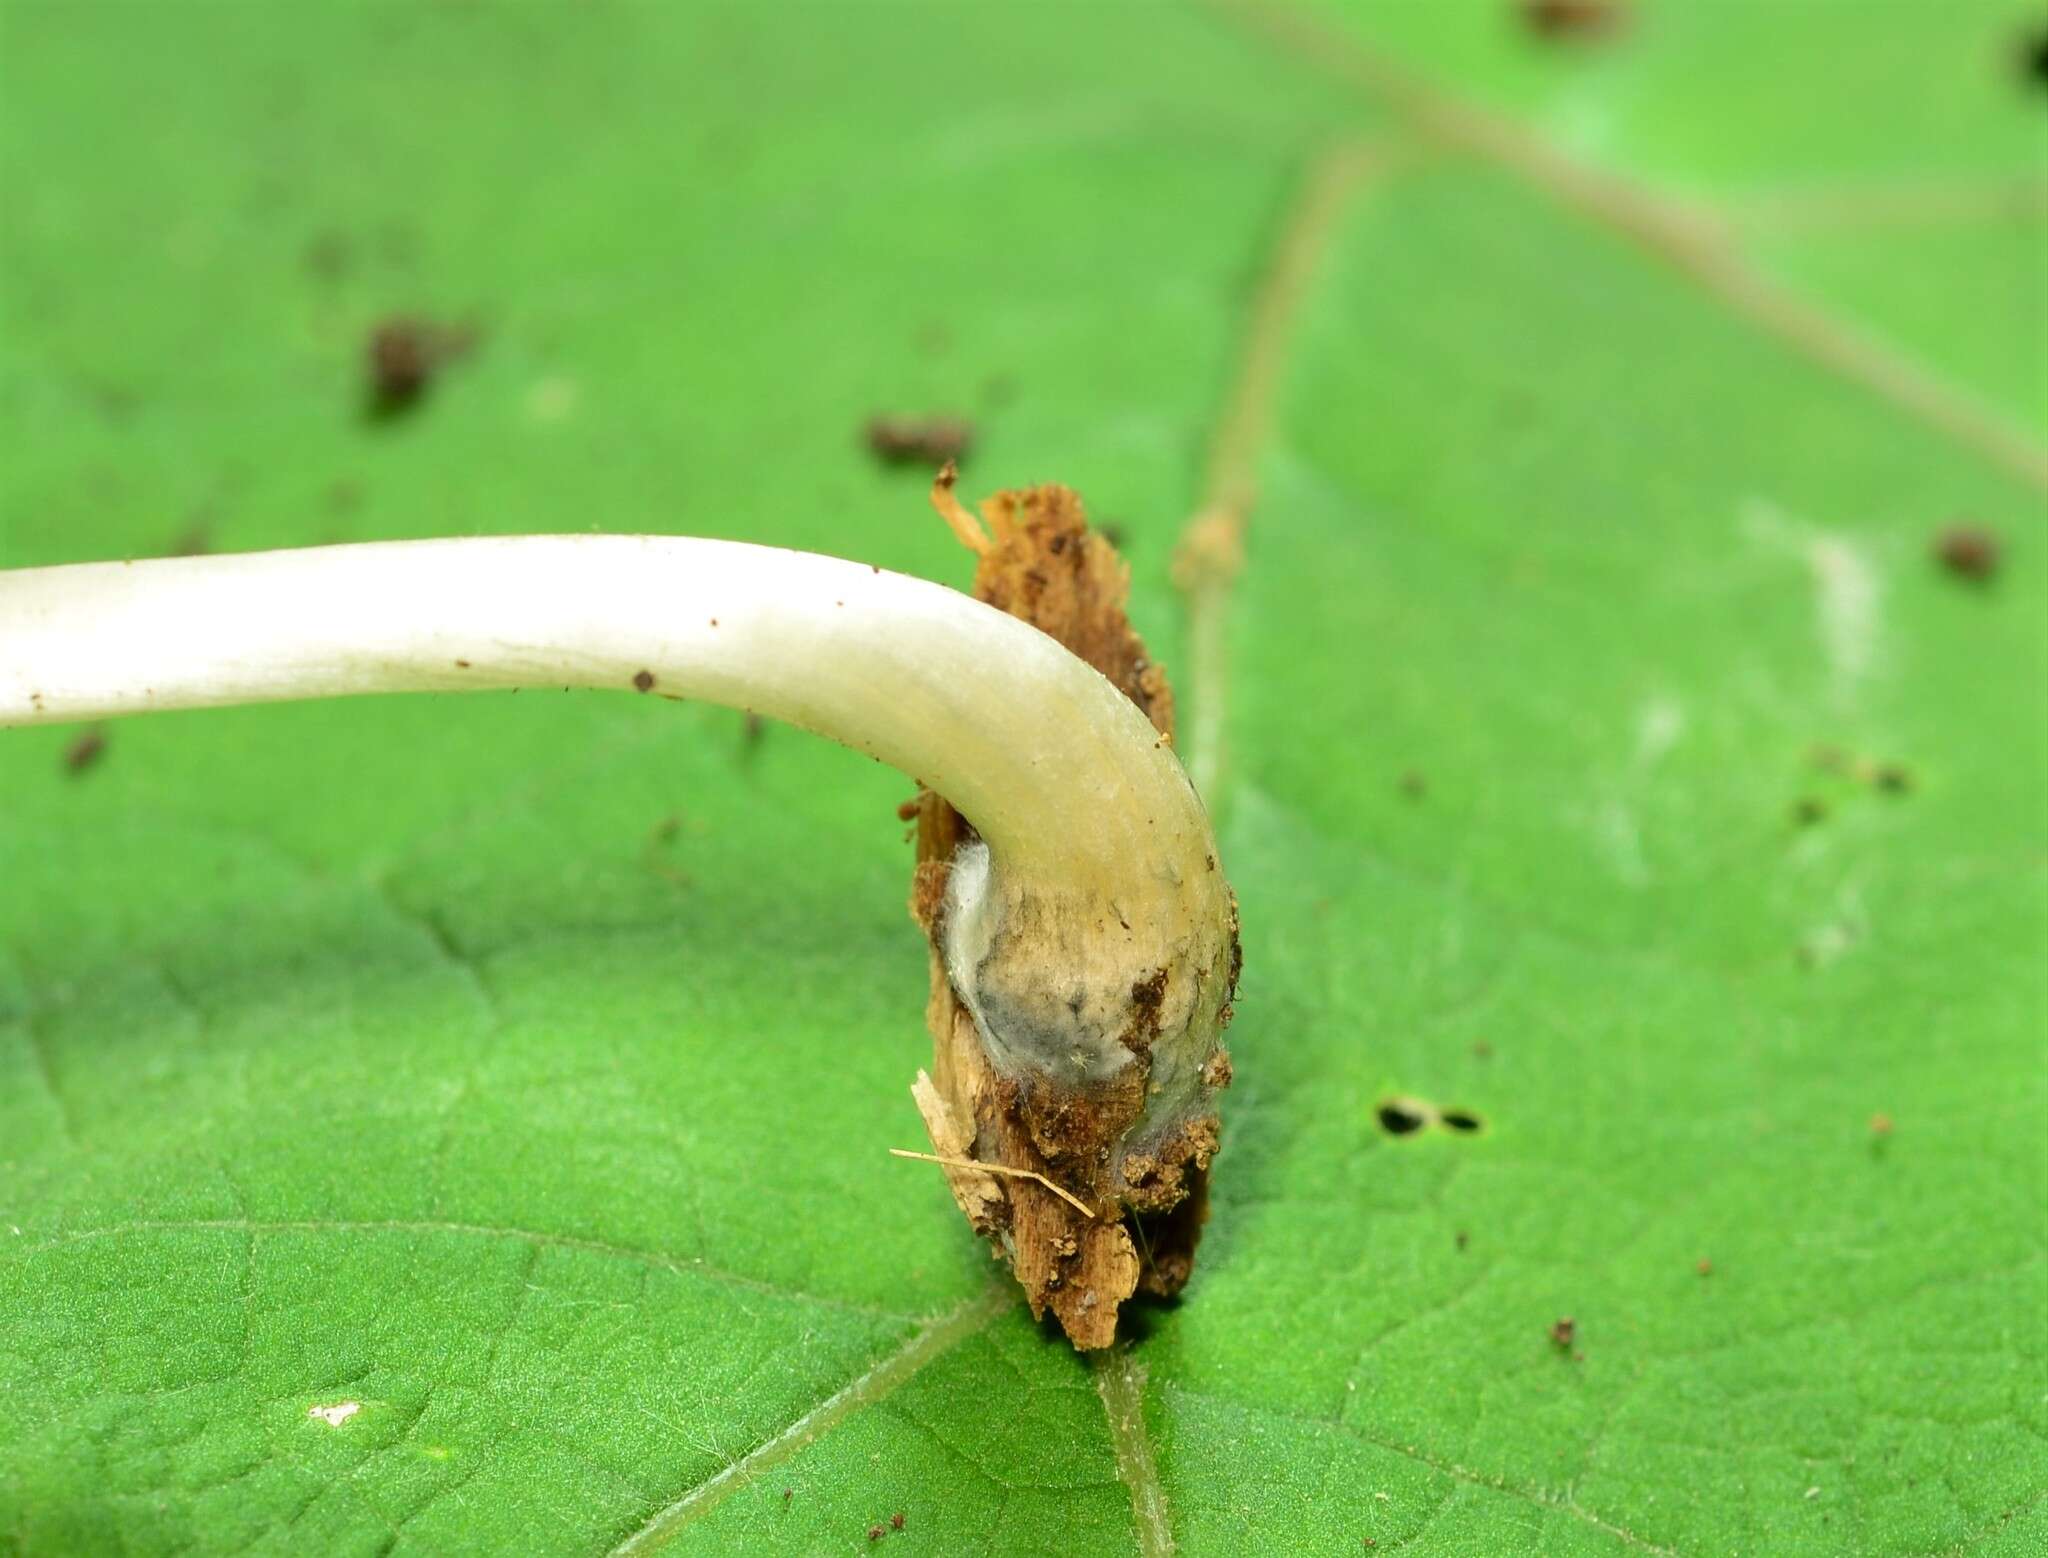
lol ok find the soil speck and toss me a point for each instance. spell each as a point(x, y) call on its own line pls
point(1880, 1124)
point(1563, 1332)
point(86, 749)
point(195, 540)
point(1574, 20)
point(643, 681)
point(896, 1521)
point(403, 357)
point(1969, 552)
point(919, 440)
point(1705, 1268)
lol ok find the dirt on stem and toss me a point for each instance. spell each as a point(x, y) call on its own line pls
point(1039, 561)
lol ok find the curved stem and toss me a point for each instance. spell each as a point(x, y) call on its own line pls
point(1055, 768)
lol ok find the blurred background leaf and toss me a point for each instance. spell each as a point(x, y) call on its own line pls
point(1606, 755)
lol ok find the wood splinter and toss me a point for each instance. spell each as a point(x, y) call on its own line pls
point(1067, 1196)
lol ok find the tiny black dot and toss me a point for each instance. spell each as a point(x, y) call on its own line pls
point(1398, 1119)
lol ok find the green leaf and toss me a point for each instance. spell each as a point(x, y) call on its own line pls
point(517, 1070)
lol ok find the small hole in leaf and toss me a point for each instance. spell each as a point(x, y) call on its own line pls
point(1401, 1117)
point(1460, 1120)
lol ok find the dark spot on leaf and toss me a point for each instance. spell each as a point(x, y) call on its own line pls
point(787, 1493)
point(1414, 785)
point(1705, 1268)
point(1969, 552)
point(401, 364)
point(1398, 1117)
point(1892, 778)
point(643, 681)
point(896, 1521)
point(86, 749)
point(2033, 52)
point(1460, 1120)
point(1563, 1331)
point(1462, 1239)
point(195, 540)
point(1808, 810)
point(927, 440)
point(1880, 1124)
point(874, 1533)
point(1574, 20)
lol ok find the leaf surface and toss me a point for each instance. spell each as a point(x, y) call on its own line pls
point(517, 1070)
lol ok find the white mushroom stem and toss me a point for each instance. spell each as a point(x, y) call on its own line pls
point(1100, 854)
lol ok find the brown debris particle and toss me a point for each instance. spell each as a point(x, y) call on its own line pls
point(195, 540)
point(919, 440)
point(1216, 1070)
point(1880, 1124)
point(403, 356)
point(1563, 1332)
point(1574, 20)
point(874, 1533)
point(643, 681)
point(1705, 1268)
point(896, 1521)
point(1969, 552)
point(86, 749)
